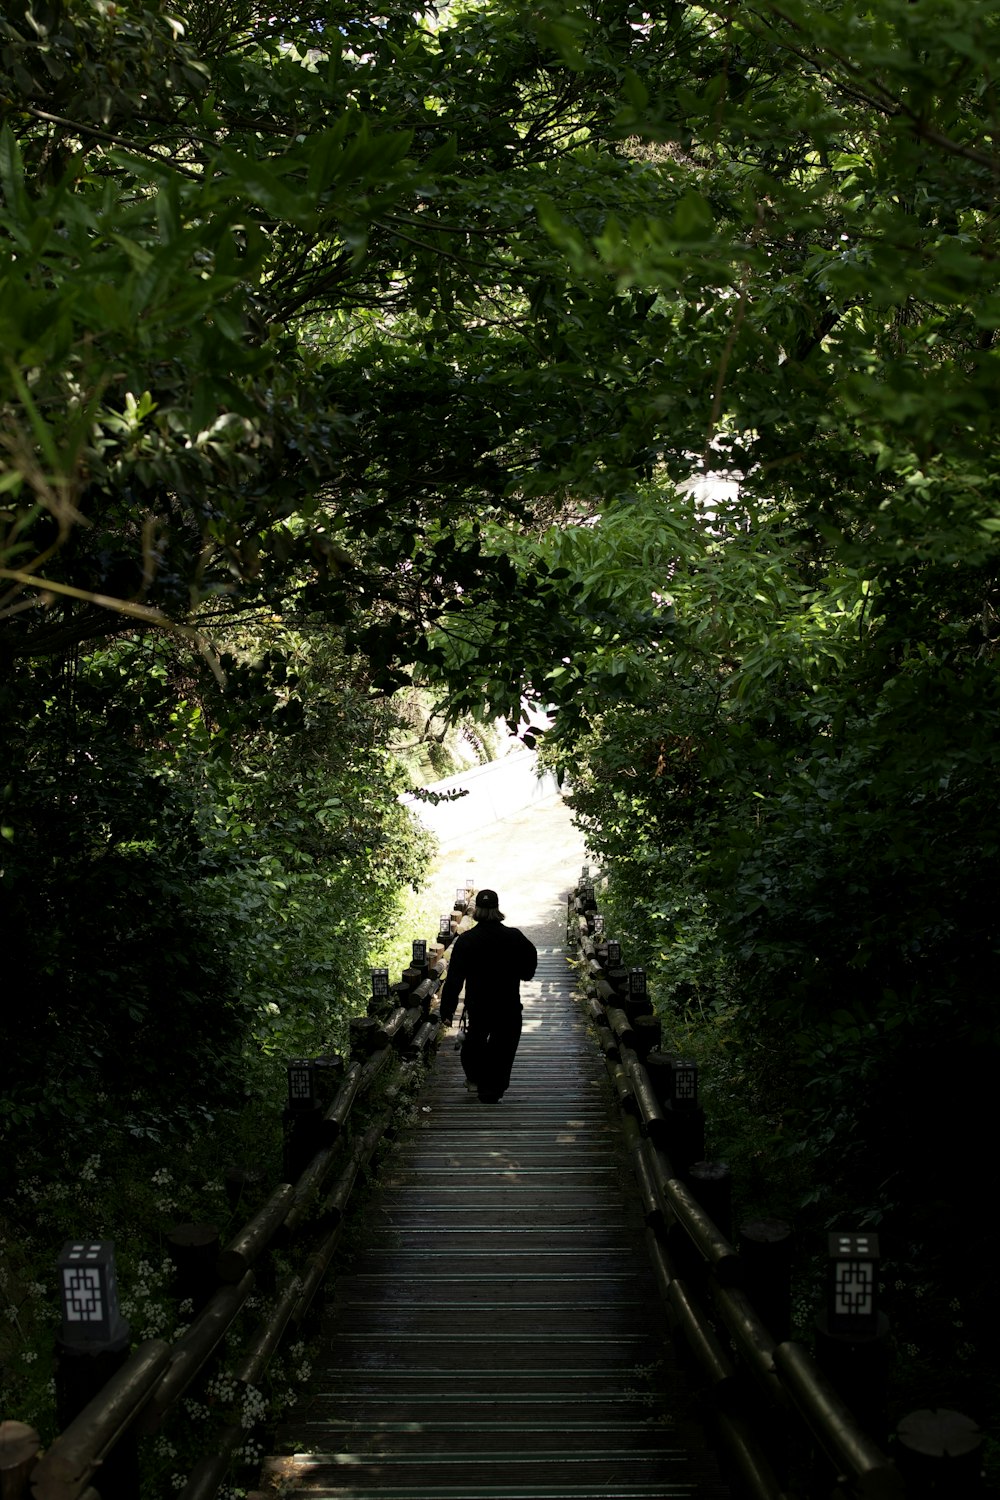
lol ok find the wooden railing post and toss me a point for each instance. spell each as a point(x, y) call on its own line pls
point(939, 1453)
point(19, 1446)
point(194, 1252)
point(101, 1436)
point(711, 1182)
point(765, 1247)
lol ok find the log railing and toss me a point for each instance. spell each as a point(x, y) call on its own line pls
point(769, 1393)
point(95, 1457)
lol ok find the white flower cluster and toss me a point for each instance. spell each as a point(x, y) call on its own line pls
point(254, 1408)
point(90, 1169)
point(155, 1324)
point(222, 1388)
point(300, 1367)
point(144, 1304)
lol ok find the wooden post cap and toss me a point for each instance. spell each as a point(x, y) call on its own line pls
point(765, 1232)
point(193, 1236)
point(19, 1445)
point(939, 1433)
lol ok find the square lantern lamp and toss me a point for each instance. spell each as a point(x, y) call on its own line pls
point(419, 953)
point(88, 1291)
point(444, 927)
point(380, 984)
point(683, 1084)
point(598, 924)
point(637, 981)
point(301, 1084)
point(852, 1297)
point(585, 874)
point(614, 953)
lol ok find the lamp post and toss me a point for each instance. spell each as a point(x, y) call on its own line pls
point(637, 1001)
point(852, 1285)
point(88, 1287)
point(302, 1119)
point(301, 1078)
point(852, 1335)
point(685, 1119)
point(683, 1085)
point(91, 1346)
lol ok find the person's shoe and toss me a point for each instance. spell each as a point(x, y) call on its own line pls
point(489, 1098)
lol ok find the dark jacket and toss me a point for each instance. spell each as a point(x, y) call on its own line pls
point(490, 960)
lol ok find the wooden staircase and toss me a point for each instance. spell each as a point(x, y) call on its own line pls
point(497, 1335)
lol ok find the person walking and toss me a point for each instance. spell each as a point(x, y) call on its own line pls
point(490, 960)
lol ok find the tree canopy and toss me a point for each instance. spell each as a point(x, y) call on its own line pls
point(642, 362)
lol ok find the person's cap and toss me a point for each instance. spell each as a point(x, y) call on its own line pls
point(488, 901)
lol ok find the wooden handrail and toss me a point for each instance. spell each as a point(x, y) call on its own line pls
point(785, 1371)
point(147, 1387)
point(192, 1351)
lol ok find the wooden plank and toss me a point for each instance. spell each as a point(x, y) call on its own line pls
point(397, 1439)
point(608, 1472)
point(515, 1424)
point(573, 1292)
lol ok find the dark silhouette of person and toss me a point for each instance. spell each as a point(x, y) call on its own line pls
point(490, 960)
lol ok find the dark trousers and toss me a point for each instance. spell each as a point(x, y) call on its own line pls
point(490, 1044)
